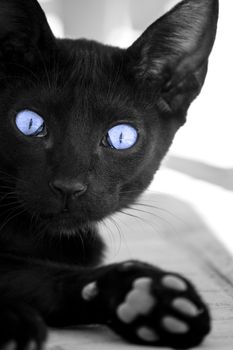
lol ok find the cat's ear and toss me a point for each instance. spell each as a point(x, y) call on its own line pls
point(24, 31)
point(173, 52)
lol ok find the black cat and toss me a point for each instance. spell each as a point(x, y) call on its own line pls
point(83, 129)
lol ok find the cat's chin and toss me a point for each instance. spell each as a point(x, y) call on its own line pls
point(62, 224)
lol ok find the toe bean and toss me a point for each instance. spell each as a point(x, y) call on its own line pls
point(147, 334)
point(174, 282)
point(173, 325)
point(185, 306)
point(89, 291)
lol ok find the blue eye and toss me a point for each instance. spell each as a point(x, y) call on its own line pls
point(30, 123)
point(122, 136)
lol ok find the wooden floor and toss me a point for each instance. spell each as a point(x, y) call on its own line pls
point(170, 234)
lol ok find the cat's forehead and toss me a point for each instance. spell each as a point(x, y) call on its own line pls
point(84, 78)
point(83, 84)
point(86, 61)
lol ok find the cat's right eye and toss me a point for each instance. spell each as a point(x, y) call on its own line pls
point(30, 123)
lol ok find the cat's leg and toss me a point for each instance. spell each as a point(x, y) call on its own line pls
point(149, 306)
point(142, 303)
point(35, 294)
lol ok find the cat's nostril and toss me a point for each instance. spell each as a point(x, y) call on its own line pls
point(68, 187)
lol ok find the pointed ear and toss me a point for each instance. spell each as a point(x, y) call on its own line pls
point(172, 54)
point(24, 31)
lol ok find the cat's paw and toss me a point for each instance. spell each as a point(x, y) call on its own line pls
point(149, 306)
point(21, 329)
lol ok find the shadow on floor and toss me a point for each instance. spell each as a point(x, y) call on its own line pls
point(222, 177)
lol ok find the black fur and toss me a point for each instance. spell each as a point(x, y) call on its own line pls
point(49, 244)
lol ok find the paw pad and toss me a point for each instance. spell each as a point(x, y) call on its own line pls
point(138, 301)
point(174, 282)
point(126, 314)
point(31, 346)
point(143, 283)
point(90, 291)
point(185, 306)
point(174, 325)
point(147, 334)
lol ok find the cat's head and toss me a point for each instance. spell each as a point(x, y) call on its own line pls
point(83, 126)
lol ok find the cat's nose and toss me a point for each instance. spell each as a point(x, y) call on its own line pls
point(66, 188)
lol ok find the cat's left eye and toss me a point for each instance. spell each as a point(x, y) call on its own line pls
point(122, 136)
point(30, 124)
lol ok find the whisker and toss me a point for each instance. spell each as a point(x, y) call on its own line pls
point(104, 223)
point(11, 204)
point(166, 211)
point(118, 230)
point(131, 215)
point(9, 195)
point(7, 186)
point(10, 218)
point(15, 205)
point(154, 215)
point(10, 177)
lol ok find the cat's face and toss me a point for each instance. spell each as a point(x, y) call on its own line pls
point(68, 130)
point(83, 127)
